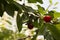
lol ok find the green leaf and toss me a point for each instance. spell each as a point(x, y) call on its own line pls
point(41, 9)
point(18, 6)
point(51, 13)
point(48, 35)
point(55, 31)
point(34, 1)
point(23, 7)
point(15, 8)
point(27, 8)
point(42, 29)
point(40, 1)
point(57, 26)
point(19, 22)
point(34, 37)
point(56, 3)
point(1, 13)
point(21, 19)
point(8, 22)
point(1, 9)
point(9, 10)
point(9, 1)
point(50, 1)
point(25, 17)
point(56, 14)
point(35, 23)
point(30, 9)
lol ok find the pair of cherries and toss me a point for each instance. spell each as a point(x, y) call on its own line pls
point(46, 18)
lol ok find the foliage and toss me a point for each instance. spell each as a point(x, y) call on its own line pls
point(26, 14)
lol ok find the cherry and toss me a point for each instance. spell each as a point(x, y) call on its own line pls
point(47, 18)
point(30, 26)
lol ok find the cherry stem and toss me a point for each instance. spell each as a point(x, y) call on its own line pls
point(47, 8)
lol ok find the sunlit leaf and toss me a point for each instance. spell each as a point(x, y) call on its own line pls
point(56, 14)
point(58, 26)
point(41, 10)
point(50, 1)
point(56, 3)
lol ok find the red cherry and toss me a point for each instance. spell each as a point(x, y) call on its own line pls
point(30, 26)
point(47, 18)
